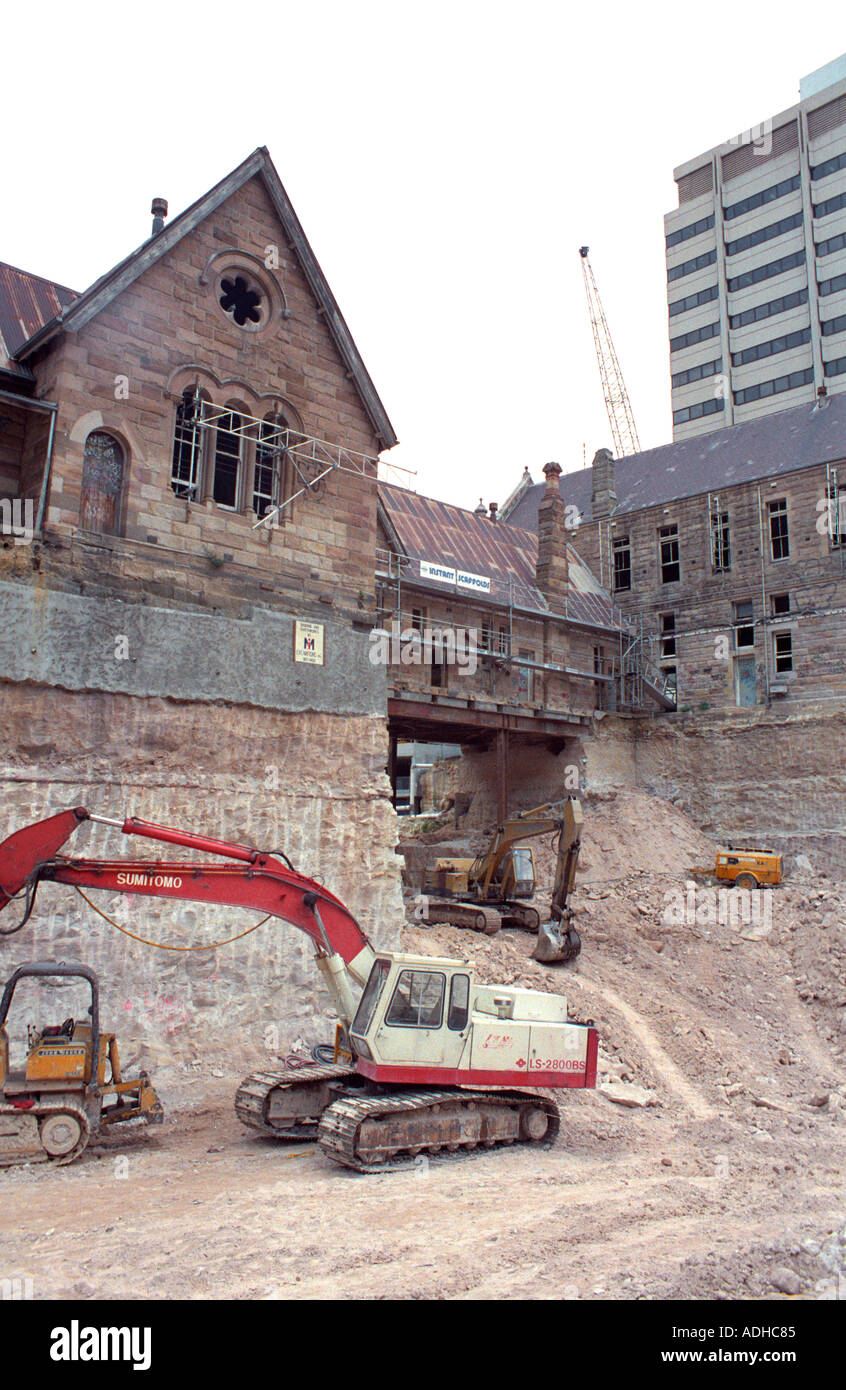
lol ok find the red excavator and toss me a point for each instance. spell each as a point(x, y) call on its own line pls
point(432, 1056)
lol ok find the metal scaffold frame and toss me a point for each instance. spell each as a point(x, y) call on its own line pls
point(311, 459)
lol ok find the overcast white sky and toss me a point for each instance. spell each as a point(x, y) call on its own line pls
point(446, 161)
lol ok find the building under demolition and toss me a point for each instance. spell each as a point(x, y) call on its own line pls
point(725, 553)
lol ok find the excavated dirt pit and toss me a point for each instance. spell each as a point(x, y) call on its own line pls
point(717, 1170)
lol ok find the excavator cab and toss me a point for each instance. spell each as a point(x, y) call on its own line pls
point(518, 880)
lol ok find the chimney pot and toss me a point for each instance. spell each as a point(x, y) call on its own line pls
point(494, 507)
point(159, 211)
point(552, 472)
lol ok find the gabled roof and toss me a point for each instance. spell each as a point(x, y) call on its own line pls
point(765, 448)
point(74, 315)
point(424, 529)
point(27, 302)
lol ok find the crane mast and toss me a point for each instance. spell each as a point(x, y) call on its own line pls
point(617, 403)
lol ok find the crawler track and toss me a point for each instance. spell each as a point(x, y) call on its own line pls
point(32, 1151)
point(363, 1132)
point(260, 1100)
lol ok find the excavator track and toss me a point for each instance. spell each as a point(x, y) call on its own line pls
point(364, 1132)
point(260, 1099)
point(521, 916)
point(471, 915)
point(46, 1132)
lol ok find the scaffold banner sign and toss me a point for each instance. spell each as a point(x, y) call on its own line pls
point(479, 582)
point(308, 642)
point(444, 574)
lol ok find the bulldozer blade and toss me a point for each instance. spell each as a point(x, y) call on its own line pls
point(556, 943)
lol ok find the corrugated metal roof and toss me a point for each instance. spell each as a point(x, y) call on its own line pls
point(775, 444)
point(27, 302)
point(442, 534)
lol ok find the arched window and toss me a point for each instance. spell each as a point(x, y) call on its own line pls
point(228, 448)
point(186, 462)
point(102, 484)
point(269, 476)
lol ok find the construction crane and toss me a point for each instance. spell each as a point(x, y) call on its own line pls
point(617, 403)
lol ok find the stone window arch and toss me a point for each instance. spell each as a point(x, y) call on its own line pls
point(103, 470)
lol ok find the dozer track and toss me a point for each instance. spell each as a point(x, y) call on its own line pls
point(45, 1132)
point(472, 915)
point(260, 1102)
point(363, 1132)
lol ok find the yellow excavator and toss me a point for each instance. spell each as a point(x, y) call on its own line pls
point(491, 891)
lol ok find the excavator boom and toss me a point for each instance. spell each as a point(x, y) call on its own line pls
point(29, 857)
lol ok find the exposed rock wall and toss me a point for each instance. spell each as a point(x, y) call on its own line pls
point(773, 777)
point(311, 784)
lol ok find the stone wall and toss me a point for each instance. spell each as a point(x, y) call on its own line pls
point(311, 784)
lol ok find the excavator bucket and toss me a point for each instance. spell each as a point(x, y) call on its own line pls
point(557, 942)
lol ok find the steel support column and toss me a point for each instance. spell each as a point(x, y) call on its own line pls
point(502, 773)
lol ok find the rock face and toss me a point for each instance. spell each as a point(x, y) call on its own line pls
point(736, 773)
point(310, 784)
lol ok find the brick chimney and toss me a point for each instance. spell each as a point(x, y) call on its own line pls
point(552, 571)
point(604, 488)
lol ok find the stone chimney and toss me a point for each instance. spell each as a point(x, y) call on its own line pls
point(604, 489)
point(552, 572)
point(159, 211)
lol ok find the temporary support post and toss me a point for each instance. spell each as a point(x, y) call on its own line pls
point(392, 767)
point(502, 773)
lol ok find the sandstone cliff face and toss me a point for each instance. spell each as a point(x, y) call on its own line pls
point(773, 777)
point(313, 785)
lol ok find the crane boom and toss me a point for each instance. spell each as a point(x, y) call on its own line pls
point(617, 403)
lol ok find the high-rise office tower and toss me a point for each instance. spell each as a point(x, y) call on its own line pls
point(756, 265)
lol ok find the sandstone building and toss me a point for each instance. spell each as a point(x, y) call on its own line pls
point(725, 553)
point(188, 460)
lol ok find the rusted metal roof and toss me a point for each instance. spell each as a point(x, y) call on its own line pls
point(439, 533)
point(27, 302)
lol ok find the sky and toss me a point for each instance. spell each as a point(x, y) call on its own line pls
point(446, 161)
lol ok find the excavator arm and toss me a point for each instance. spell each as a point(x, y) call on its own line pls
point(257, 880)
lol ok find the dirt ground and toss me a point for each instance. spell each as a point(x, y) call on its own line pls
point(721, 1174)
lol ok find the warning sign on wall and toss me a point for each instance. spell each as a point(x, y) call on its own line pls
point(308, 642)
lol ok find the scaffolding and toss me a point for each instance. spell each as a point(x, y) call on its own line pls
point(273, 447)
